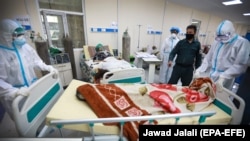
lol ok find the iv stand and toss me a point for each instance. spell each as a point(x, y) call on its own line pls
point(139, 38)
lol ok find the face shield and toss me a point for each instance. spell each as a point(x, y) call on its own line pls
point(18, 37)
point(9, 29)
point(225, 32)
point(222, 38)
point(18, 32)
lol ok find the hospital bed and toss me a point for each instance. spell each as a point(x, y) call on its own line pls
point(71, 113)
point(126, 74)
point(30, 112)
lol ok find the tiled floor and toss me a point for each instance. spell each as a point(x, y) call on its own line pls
point(8, 129)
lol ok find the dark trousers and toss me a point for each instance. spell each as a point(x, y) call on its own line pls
point(243, 92)
point(185, 73)
point(2, 111)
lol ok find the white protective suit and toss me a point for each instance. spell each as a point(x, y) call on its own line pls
point(166, 48)
point(17, 65)
point(227, 58)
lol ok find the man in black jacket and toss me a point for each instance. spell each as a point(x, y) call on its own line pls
point(189, 57)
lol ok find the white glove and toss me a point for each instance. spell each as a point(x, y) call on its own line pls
point(52, 69)
point(197, 74)
point(23, 91)
point(220, 83)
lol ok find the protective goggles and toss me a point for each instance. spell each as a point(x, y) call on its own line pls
point(18, 32)
point(222, 37)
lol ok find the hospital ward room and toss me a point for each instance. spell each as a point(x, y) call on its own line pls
point(120, 70)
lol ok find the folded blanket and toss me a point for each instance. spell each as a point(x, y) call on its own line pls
point(123, 100)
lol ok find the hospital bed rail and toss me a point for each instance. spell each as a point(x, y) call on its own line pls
point(30, 112)
point(122, 120)
point(230, 103)
point(132, 75)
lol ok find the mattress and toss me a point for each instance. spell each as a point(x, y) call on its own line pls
point(68, 107)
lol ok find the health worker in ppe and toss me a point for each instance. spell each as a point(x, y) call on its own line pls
point(227, 58)
point(167, 46)
point(17, 63)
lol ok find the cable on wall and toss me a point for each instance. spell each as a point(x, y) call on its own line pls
point(163, 19)
point(117, 18)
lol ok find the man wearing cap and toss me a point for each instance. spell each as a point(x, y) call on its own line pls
point(167, 46)
point(17, 63)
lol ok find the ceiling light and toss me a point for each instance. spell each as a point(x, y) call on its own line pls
point(232, 2)
point(246, 14)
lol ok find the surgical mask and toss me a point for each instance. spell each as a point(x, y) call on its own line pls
point(173, 35)
point(20, 41)
point(189, 36)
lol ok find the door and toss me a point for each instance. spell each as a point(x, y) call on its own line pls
point(55, 27)
point(197, 23)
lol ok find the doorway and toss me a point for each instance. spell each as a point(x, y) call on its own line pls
point(55, 27)
point(197, 23)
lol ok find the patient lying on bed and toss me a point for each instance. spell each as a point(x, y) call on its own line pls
point(110, 63)
point(122, 100)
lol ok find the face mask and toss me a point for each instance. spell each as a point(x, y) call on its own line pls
point(173, 35)
point(19, 41)
point(189, 36)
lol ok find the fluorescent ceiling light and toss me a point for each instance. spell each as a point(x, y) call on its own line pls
point(232, 2)
point(246, 14)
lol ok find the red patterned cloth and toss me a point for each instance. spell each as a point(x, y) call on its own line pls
point(127, 100)
point(111, 101)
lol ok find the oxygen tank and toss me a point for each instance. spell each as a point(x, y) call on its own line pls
point(126, 46)
point(68, 48)
point(42, 51)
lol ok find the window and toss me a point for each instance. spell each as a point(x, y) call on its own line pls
point(63, 18)
point(64, 5)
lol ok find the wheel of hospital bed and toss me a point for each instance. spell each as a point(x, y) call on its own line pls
point(133, 75)
point(30, 112)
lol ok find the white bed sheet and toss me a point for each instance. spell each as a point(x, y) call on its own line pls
point(110, 64)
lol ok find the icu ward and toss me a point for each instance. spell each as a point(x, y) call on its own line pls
point(118, 70)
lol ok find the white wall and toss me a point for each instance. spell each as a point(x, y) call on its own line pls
point(159, 14)
point(19, 8)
